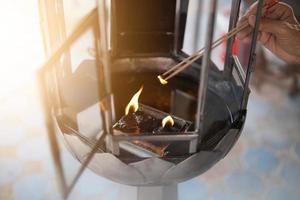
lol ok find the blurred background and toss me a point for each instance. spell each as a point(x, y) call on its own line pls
point(264, 164)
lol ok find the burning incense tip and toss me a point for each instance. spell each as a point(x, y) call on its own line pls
point(134, 102)
point(162, 81)
point(167, 121)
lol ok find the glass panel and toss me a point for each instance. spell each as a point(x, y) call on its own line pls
point(76, 96)
point(82, 50)
point(75, 10)
point(196, 28)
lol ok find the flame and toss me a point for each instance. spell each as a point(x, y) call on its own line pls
point(162, 81)
point(167, 120)
point(134, 102)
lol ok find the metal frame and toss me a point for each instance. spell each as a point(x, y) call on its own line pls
point(89, 21)
point(54, 146)
point(228, 64)
point(177, 27)
point(252, 56)
point(51, 19)
point(192, 137)
point(233, 61)
point(238, 66)
point(205, 67)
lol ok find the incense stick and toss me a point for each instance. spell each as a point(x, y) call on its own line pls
point(186, 62)
point(163, 78)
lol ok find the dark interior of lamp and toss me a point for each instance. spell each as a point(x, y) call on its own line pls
point(178, 99)
point(143, 27)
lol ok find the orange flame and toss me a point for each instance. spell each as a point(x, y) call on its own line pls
point(167, 120)
point(134, 102)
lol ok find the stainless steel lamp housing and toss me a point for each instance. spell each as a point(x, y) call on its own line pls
point(132, 42)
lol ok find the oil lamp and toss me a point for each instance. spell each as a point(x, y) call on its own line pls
point(169, 133)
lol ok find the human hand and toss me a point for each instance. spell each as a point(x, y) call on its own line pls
point(279, 31)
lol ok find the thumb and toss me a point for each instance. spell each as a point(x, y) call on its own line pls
point(268, 25)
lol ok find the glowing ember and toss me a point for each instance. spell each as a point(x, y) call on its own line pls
point(167, 121)
point(162, 81)
point(134, 102)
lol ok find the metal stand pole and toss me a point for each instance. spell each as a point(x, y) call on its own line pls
point(205, 67)
point(168, 192)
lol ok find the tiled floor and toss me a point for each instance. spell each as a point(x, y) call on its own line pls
point(264, 164)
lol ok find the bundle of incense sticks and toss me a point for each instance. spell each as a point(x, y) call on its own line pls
point(163, 78)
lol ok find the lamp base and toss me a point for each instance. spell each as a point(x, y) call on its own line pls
point(168, 192)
